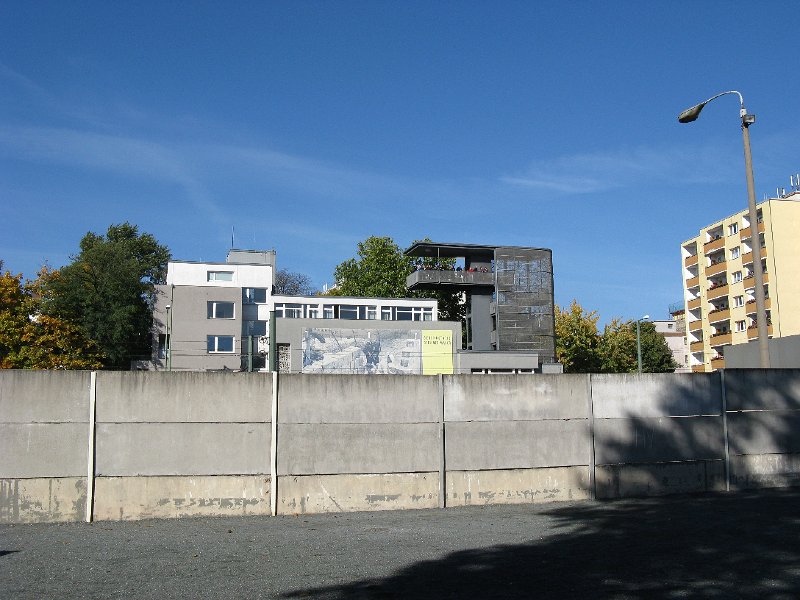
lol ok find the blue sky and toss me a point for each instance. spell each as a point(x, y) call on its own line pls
point(308, 126)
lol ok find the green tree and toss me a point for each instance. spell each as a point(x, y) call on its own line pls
point(380, 270)
point(618, 349)
point(30, 339)
point(109, 290)
point(577, 339)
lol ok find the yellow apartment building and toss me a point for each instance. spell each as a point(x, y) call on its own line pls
point(718, 282)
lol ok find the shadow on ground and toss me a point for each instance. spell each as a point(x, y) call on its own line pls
point(711, 546)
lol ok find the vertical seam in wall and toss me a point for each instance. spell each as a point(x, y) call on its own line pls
point(725, 431)
point(273, 451)
point(442, 449)
point(90, 452)
point(592, 466)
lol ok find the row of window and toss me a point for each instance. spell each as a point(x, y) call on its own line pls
point(291, 310)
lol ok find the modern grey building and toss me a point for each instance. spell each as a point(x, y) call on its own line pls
point(509, 294)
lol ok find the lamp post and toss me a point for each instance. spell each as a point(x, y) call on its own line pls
point(639, 342)
point(691, 114)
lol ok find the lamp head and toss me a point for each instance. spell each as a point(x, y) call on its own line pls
point(645, 317)
point(691, 114)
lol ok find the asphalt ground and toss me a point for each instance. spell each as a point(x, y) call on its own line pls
point(742, 545)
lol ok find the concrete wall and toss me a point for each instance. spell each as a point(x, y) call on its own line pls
point(163, 444)
point(784, 353)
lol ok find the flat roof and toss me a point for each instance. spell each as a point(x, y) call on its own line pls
point(456, 250)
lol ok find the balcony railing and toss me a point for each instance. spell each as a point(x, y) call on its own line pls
point(721, 339)
point(458, 279)
point(693, 282)
point(690, 260)
point(752, 331)
point(693, 304)
point(722, 314)
point(699, 369)
point(748, 232)
point(695, 325)
point(717, 292)
point(718, 363)
point(696, 346)
point(717, 267)
point(715, 244)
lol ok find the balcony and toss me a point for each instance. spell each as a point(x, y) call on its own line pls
point(752, 331)
point(717, 292)
point(750, 279)
point(747, 258)
point(751, 305)
point(716, 268)
point(690, 261)
point(693, 282)
point(721, 339)
point(696, 346)
point(715, 316)
point(693, 304)
point(695, 325)
point(747, 232)
point(699, 369)
point(714, 245)
point(464, 280)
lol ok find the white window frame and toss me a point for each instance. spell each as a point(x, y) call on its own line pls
point(736, 276)
point(738, 301)
point(741, 326)
point(248, 295)
point(219, 275)
point(216, 344)
point(733, 229)
point(313, 311)
point(735, 252)
point(213, 304)
point(387, 313)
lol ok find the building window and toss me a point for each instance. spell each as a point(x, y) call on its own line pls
point(740, 326)
point(220, 310)
point(733, 229)
point(735, 252)
point(162, 345)
point(328, 311)
point(313, 312)
point(220, 276)
point(736, 276)
point(254, 328)
point(738, 301)
point(405, 313)
point(254, 296)
point(369, 313)
point(348, 311)
point(386, 313)
point(219, 344)
point(286, 310)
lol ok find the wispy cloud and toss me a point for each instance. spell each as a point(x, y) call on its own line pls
point(625, 168)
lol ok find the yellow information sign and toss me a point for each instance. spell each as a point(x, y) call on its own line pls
point(437, 352)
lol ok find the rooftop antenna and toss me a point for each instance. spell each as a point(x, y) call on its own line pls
point(232, 236)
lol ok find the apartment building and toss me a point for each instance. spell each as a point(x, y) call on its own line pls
point(718, 281)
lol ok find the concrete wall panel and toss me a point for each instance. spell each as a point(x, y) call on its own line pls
point(765, 471)
point(514, 397)
point(658, 440)
point(517, 486)
point(340, 493)
point(43, 500)
point(160, 397)
point(757, 432)
point(132, 498)
point(656, 395)
point(43, 450)
point(44, 396)
point(182, 449)
point(756, 389)
point(482, 445)
point(358, 399)
point(308, 449)
point(659, 479)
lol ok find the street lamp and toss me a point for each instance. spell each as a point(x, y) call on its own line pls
point(691, 114)
point(639, 342)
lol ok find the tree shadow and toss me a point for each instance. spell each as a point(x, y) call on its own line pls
point(709, 546)
point(664, 439)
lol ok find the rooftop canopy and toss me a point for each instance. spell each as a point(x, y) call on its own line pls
point(440, 250)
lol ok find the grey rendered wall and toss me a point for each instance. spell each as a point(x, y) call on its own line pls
point(763, 427)
point(174, 444)
point(516, 438)
point(43, 445)
point(350, 442)
point(657, 434)
point(784, 353)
